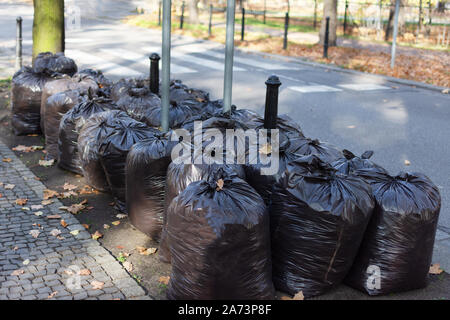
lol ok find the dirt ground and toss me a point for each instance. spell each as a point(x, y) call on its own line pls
point(122, 240)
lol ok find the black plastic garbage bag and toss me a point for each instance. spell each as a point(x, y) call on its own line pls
point(57, 105)
point(289, 149)
point(27, 86)
point(179, 113)
point(286, 125)
point(248, 117)
point(323, 150)
point(113, 150)
point(91, 135)
point(139, 104)
point(318, 217)
point(146, 170)
point(71, 123)
point(57, 63)
point(350, 163)
point(80, 82)
point(396, 252)
point(98, 76)
point(122, 87)
point(221, 242)
point(193, 98)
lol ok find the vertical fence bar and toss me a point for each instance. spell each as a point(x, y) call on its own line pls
point(182, 16)
point(18, 43)
point(210, 20)
point(243, 24)
point(271, 109)
point(380, 19)
point(165, 103)
point(286, 27)
point(419, 23)
point(325, 41)
point(429, 12)
point(229, 52)
point(315, 14)
point(159, 13)
point(394, 38)
point(345, 16)
point(265, 9)
point(154, 73)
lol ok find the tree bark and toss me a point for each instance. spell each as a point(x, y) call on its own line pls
point(390, 24)
point(48, 26)
point(193, 11)
point(329, 10)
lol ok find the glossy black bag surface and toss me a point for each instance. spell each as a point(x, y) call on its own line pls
point(318, 218)
point(221, 242)
point(146, 170)
point(27, 87)
point(71, 123)
point(57, 63)
point(350, 163)
point(396, 252)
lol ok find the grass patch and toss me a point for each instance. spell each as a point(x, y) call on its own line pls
point(276, 24)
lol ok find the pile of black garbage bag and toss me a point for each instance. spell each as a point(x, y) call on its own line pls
point(289, 213)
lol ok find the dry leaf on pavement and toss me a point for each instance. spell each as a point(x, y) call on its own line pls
point(299, 296)
point(75, 232)
point(17, 272)
point(121, 216)
point(55, 232)
point(164, 279)
point(21, 202)
point(128, 266)
point(115, 223)
point(97, 285)
point(51, 295)
point(50, 194)
point(97, 235)
point(84, 272)
point(63, 223)
point(46, 202)
point(35, 233)
point(54, 216)
point(6, 159)
point(146, 251)
point(46, 163)
point(69, 187)
point(436, 269)
point(9, 186)
point(37, 207)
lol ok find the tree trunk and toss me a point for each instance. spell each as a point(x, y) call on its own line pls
point(390, 24)
point(329, 10)
point(193, 11)
point(48, 26)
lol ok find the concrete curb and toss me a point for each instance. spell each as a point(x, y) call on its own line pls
point(335, 68)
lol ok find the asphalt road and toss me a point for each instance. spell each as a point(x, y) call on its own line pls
point(358, 112)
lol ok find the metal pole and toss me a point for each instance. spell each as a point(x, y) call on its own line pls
point(210, 20)
point(243, 24)
point(271, 109)
point(419, 26)
point(182, 16)
point(286, 27)
point(394, 39)
point(154, 73)
point(159, 13)
point(429, 13)
point(165, 102)
point(380, 19)
point(18, 43)
point(229, 52)
point(325, 41)
point(265, 9)
point(345, 16)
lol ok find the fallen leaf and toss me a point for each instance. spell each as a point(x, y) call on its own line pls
point(55, 232)
point(68, 186)
point(25, 208)
point(128, 266)
point(17, 272)
point(97, 285)
point(164, 279)
point(67, 194)
point(115, 223)
point(120, 247)
point(22, 148)
point(63, 223)
point(86, 225)
point(37, 207)
point(84, 272)
point(220, 184)
point(6, 159)
point(54, 216)
point(75, 208)
point(38, 213)
point(97, 235)
point(21, 202)
point(145, 252)
point(51, 295)
point(46, 163)
point(50, 194)
point(9, 186)
point(106, 226)
point(35, 233)
point(69, 272)
point(299, 296)
point(75, 232)
point(436, 269)
point(26, 262)
point(46, 202)
point(121, 216)
point(32, 135)
point(445, 91)
point(407, 162)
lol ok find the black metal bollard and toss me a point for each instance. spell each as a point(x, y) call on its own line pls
point(182, 16)
point(271, 108)
point(286, 27)
point(325, 41)
point(18, 43)
point(243, 24)
point(154, 73)
point(159, 13)
point(210, 20)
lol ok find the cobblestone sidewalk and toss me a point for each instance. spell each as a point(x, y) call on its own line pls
point(47, 266)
